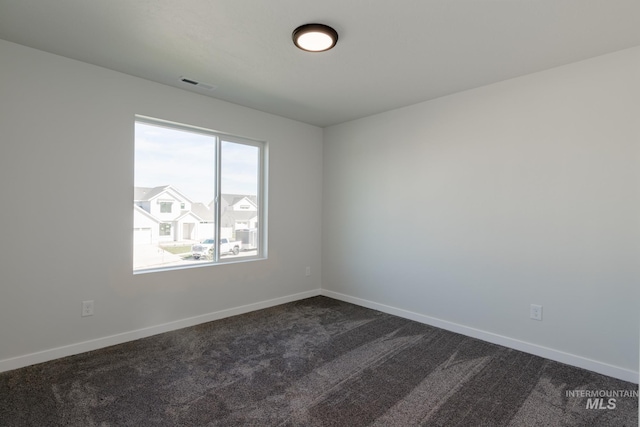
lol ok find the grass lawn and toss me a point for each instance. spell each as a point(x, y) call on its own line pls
point(177, 250)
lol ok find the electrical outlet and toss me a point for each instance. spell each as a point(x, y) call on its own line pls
point(87, 308)
point(308, 271)
point(535, 312)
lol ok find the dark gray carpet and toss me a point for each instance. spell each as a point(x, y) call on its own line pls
point(316, 362)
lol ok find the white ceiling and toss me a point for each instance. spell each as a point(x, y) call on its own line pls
point(390, 53)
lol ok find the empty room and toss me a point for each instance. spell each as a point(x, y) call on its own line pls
point(336, 213)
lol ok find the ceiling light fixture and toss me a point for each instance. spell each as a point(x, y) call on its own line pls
point(315, 37)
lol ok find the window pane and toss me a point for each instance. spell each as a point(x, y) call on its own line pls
point(174, 194)
point(239, 209)
point(165, 207)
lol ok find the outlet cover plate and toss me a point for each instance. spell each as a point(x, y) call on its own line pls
point(87, 308)
point(535, 312)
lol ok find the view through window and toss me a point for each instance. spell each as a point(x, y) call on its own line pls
point(197, 197)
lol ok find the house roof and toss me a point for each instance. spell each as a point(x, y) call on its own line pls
point(203, 212)
point(185, 214)
point(198, 209)
point(147, 193)
point(150, 193)
point(232, 199)
point(139, 210)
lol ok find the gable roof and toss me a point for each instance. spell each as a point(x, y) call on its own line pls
point(147, 193)
point(150, 193)
point(198, 209)
point(232, 199)
point(203, 212)
point(185, 214)
point(139, 210)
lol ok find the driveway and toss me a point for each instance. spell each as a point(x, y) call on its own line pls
point(150, 256)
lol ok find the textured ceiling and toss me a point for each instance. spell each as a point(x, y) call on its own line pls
point(390, 54)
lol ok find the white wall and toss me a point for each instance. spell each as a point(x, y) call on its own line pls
point(66, 162)
point(526, 191)
point(522, 192)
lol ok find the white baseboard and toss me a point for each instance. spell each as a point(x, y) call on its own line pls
point(548, 353)
point(70, 350)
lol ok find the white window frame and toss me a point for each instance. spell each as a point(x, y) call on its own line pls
point(261, 197)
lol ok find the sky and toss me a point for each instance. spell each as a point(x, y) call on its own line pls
point(186, 161)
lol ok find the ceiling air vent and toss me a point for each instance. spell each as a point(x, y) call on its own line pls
point(192, 82)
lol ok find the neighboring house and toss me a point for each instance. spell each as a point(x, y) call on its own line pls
point(206, 228)
point(239, 212)
point(164, 214)
point(145, 227)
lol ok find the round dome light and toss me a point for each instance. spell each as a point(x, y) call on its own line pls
point(315, 37)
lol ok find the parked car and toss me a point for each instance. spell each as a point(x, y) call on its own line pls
point(230, 247)
point(206, 248)
point(203, 249)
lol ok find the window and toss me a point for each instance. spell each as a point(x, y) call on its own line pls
point(165, 207)
point(205, 173)
point(165, 229)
